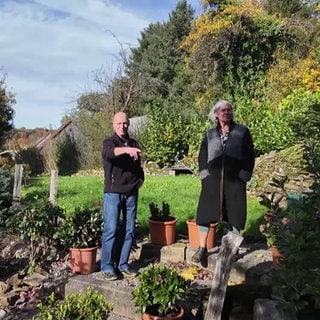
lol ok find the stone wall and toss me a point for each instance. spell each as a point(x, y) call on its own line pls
point(288, 162)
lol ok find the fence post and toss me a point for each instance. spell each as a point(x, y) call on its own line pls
point(17, 182)
point(53, 186)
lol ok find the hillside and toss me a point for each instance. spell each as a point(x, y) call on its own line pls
point(25, 137)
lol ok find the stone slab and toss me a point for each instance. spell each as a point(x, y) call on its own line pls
point(119, 296)
point(173, 253)
point(251, 265)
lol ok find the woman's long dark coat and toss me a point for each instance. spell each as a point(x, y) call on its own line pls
point(224, 173)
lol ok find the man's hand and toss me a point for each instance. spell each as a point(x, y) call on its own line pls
point(133, 152)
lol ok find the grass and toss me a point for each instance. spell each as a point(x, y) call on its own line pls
point(181, 192)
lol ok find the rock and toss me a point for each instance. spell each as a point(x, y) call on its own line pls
point(34, 280)
point(266, 309)
point(4, 301)
point(3, 288)
point(14, 281)
point(3, 314)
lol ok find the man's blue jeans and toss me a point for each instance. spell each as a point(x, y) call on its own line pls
point(113, 205)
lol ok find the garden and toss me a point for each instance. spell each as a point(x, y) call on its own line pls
point(263, 56)
point(277, 217)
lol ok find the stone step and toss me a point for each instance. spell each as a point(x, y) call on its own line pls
point(251, 266)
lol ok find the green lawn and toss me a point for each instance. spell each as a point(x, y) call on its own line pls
point(181, 192)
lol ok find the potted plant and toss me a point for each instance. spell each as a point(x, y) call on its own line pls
point(81, 233)
point(87, 305)
point(158, 293)
point(162, 225)
point(193, 234)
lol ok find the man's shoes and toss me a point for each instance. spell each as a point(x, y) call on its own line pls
point(110, 276)
point(199, 255)
point(129, 273)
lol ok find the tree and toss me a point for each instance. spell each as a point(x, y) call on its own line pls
point(158, 55)
point(6, 110)
point(289, 8)
point(230, 51)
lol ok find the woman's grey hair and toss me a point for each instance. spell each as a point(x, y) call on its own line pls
point(216, 107)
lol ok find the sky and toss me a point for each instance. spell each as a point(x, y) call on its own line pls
point(51, 50)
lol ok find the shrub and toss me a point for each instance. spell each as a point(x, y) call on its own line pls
point(297, 280)
point(82, 228)
point(159, 290)
point(6, 190)
point(164, 135)
point(90, 305)
point(38, 223)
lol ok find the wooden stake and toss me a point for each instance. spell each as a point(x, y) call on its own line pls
point(17, 182)
point(53, 186)
point(230, 245)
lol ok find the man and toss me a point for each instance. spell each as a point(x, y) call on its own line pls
point(123, 176)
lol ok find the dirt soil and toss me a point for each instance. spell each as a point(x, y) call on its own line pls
point(14, 255)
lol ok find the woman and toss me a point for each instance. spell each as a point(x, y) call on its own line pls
point(226, 161)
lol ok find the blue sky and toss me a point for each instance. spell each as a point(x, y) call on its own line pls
point(51, 49)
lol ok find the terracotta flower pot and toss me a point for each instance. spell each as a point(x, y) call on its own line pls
point(83, 260)
point(147, 316)
point(163, 232)
point(193, 235)
point(276, 256)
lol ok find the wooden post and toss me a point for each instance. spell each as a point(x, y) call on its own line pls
point(53, 186)
point(230, 245)
point(17, 182)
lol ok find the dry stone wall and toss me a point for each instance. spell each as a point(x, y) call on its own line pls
point(290, 162)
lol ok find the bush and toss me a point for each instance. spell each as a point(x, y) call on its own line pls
point(159, 290)
point(82, 228)
point(90, 305)
point(164, 135)
point(38, 223)
point(6, 191)
point(297, 278)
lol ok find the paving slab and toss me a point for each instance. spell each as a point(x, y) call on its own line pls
point(115, 292)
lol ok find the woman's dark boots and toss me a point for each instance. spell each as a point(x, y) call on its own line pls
point(199, 255)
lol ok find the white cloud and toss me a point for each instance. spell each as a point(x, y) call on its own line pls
point(49, 48)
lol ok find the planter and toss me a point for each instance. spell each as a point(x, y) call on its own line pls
point(193, 235)
point(276, 256)
point(83, 260)
point(147, 316)
point(163, 232)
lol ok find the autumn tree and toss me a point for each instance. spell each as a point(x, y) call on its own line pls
point(231, 50)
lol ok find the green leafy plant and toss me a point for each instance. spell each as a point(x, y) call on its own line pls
point(6, 188)
point(160, 214)
point(297, 279)
point(38, 223)
point(82, 228)
point(159, 290)
point(90, 305)
point(296, 231)
point(276, 224)
point(163, 148)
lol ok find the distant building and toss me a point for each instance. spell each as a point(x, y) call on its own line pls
point(46, 146)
